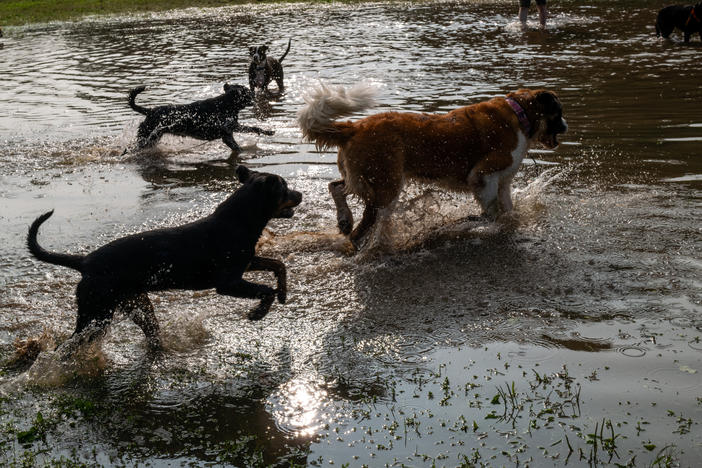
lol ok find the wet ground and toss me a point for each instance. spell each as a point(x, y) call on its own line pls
point(568, 332)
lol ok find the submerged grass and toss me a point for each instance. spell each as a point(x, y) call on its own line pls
point(433, 417)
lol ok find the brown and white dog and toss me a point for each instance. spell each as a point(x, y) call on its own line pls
point(477, 148)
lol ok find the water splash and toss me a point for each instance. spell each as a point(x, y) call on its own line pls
point(52, 368)
point(184, 332)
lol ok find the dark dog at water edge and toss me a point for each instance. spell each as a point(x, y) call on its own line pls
point(687, 18)
point(213, 252)
point(208, 119)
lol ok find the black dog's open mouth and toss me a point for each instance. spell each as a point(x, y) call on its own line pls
point(286, 213)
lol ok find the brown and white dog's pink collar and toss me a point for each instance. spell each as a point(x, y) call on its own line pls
point(521, 115)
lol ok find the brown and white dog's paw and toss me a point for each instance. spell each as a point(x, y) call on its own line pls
point(345, 226)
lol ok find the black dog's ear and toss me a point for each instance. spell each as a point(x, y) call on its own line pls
point(252, 50)
point(227, 87)
point(272, 181)
point(264, 48)
point(242, 173)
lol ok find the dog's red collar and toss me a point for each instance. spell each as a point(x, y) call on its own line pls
point(521, 115)
point(692, 16)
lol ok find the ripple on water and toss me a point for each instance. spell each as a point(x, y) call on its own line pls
point(632, 351)
point(695, 344)
point(683, 322)
point(684, 378)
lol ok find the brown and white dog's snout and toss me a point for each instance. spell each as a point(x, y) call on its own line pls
point(555, 127)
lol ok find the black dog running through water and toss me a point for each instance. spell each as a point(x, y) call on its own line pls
point(212, 252)
point(208, 119)
point(687, 18)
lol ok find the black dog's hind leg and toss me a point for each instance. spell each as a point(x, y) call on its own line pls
point(95, 311)
point(249, 290)
point(278, 77)
point(95, 330)
point(148, 135)
point(278, 269)
point(141, 311)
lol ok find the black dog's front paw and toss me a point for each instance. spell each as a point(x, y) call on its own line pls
point(258, 313)
point(282, 296)
point(268, 132)
point(262, 309)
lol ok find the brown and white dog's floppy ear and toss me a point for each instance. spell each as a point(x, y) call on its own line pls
point(548, 101)
point(242, 173)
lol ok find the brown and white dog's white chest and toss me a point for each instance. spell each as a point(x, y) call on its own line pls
point(518, 154)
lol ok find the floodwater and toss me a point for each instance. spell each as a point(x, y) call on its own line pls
point(568, 332)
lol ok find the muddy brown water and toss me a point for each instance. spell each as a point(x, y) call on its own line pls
point(583, 309)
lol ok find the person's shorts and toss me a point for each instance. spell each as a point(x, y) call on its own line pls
point(527, 3)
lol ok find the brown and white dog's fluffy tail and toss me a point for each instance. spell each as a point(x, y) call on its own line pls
point(325, 104)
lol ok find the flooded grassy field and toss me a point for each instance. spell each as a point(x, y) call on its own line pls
point(565, 333)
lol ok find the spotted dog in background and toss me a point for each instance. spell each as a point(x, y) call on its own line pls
point(264, 69)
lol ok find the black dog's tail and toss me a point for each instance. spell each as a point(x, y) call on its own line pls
point(67, 260)
point(132, 95)
point(286, 51)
